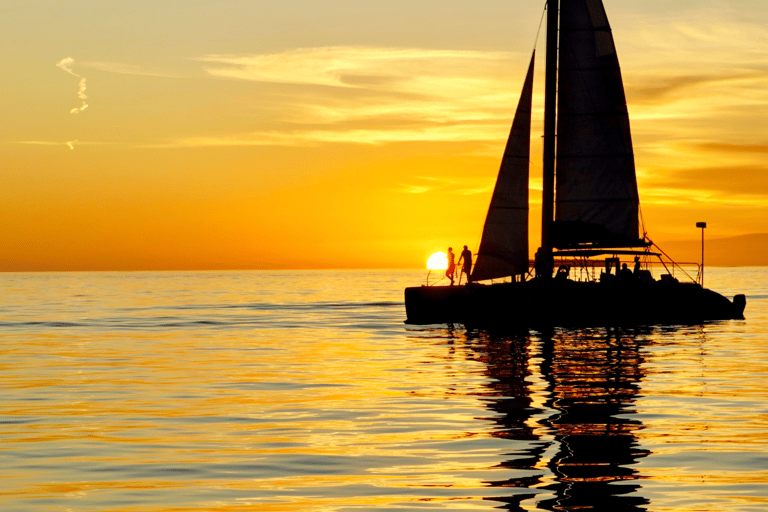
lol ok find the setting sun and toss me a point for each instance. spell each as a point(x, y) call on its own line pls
point(438, 261)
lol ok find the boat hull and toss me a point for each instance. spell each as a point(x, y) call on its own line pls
point(569, 303)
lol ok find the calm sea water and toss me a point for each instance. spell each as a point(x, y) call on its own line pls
point(304, 391)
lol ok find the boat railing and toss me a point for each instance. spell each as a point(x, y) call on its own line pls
point(587, 269)
point(594, 270)
point(667, 262)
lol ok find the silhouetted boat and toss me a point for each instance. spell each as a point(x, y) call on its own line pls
point(590, 206)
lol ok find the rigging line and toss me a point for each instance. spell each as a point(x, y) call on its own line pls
point(672, 262)
point(536, 43)
point(436, 282)
point(478, 241)
point(541, 22)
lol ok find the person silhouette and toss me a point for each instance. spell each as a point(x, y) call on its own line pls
point(625, 274)
point(465, 260)
point(449, 272)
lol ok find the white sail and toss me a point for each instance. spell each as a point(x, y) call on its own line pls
point(596, 198)
point(504, 245)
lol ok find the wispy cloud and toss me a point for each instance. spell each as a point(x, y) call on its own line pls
point(66, 64)
point(126, 69)
point(70, 143)
point(300, 136)
point(372, 95)
point(380, 95)
point(697, 64)
point(355, 66)
point(454, 186)
point(37, 142)
point(697, 87)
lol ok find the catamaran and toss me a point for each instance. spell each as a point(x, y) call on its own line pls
point(590, 207)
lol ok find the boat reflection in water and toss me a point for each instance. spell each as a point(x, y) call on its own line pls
point(570, 395)
point(593, 381)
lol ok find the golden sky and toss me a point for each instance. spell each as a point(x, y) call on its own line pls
point(302, 134)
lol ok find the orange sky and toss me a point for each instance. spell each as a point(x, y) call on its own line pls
point(177, 135)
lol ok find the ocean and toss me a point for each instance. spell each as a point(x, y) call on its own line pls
point(305, 391)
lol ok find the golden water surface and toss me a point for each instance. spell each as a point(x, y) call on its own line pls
point(305, 391)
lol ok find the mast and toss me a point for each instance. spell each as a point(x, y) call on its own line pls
point(550, 115)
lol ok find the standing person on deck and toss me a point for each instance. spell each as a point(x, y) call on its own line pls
point(451, 265)
point(465, 260)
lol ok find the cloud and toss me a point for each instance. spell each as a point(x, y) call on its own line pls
point(453, 186)
point(353, 66)
point(368, 95)
point(70, 143)
point(125, 69)
point(37, 142)
point(66, 65)
point(697, 171)
point(298, 136)
point(697, 86)
point(693, 64)
point(746, 179)
point(372, 95)
point(338, 85)
point(739, 149)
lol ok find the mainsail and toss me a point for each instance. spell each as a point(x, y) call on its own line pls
point(596, 199)
point(504, 245)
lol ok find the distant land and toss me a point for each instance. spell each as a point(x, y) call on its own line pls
point(736, 251)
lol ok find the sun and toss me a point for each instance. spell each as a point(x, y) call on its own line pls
point(438, 261)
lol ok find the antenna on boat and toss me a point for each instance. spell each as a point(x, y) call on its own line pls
point(702, 225)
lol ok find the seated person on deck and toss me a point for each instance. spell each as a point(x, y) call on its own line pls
point(625, 274)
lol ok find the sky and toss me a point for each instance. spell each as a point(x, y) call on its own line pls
point(269, 134)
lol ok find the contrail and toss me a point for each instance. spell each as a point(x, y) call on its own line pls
point(66, 65)
point(71, 144)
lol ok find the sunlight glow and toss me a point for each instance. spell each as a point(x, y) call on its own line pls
point(438, 261)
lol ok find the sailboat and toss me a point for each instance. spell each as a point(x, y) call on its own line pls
point(590, 207)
